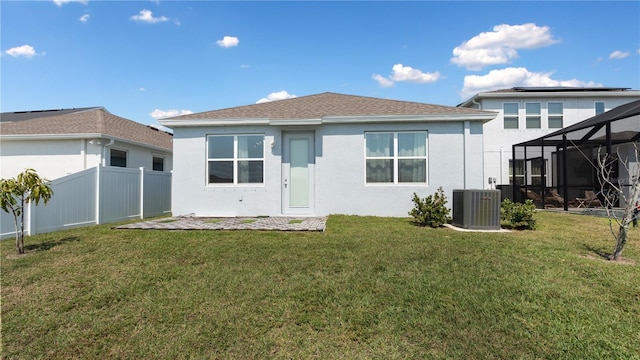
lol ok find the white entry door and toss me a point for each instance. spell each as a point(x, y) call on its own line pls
point(298, 162)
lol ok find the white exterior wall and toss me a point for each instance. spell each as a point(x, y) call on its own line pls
point(50, 158)
point(454, 162)
point(53, 159)
point(498, 141)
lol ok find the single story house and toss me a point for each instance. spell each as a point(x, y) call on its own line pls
point(57, 143)
point(323, 154)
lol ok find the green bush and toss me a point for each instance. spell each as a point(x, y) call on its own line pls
point(432, 211)
point(518, 216)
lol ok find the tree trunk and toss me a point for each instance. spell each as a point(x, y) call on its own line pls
point(19, 250)
point(20, 230)
point(623, 232)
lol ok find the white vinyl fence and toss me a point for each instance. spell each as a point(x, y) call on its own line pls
point(99, 195)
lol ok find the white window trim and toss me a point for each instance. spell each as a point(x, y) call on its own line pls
point(527, 115)
point(549, 114)
point(395, 159)
point(126, 157)
point(235, 162)
point(517, 116)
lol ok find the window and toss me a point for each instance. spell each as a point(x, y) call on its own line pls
point(158, 163)
point(118, 158)
point(536, 172)
point(396, 157)
point(510, 115)
point(235, 159)
point(599, 107)
point(519, 172)
point(533, 115)
point(555, 113)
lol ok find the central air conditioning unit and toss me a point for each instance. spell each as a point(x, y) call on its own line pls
point(476, 209)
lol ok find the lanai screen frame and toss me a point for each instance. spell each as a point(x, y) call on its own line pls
point(617, 126)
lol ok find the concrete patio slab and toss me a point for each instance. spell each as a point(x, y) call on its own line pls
point(236, 223)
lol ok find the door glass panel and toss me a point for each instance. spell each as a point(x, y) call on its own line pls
point(299, 173)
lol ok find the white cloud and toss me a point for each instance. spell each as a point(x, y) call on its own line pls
point(25, 50)
point(383, 81)
point(147, 17)
point(84, 18)
point(274, 96)
point(618, 54)
point(228, 41)
point(500, 46)
point(63, 2)
point(161, 114)
point(244, 66)
point(512, 77)
point(141, 89)
point(406, 73)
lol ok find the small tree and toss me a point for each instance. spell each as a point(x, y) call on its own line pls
point(612, 190)
point(15, 193)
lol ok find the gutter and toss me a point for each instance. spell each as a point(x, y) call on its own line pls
point(175, 123)
point(104, 150)
point(88, 136)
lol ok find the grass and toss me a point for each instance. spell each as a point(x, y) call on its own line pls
point(366, 288)
point(296, 221)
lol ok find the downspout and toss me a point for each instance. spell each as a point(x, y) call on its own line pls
point(104, 152)
point(473, 101)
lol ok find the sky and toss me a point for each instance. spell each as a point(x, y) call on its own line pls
point(146, 60)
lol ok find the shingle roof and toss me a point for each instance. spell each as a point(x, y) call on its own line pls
point(82, 121)
point(329, 104)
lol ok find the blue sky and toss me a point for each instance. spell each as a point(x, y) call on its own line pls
point(144, 60)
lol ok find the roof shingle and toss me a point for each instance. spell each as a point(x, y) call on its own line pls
point(82, 121)
point(328, 104)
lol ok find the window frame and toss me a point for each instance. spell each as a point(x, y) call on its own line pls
point(511, 117)
point(153, 163)
point(396, 158)
point(518, 176)
point(235, 160)
point(555, 116)
point(126, 157)
point(529, 117)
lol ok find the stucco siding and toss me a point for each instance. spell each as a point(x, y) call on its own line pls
point(53, 159)
point(50, 158)
point(339, 179)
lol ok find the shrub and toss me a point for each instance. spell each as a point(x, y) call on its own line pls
point(432, 211)
point(518, 216)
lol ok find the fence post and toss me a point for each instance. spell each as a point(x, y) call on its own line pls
point(141, 193)
point(98, 175)
point(29, 220)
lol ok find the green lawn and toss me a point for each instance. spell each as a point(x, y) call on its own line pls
point(366, 288)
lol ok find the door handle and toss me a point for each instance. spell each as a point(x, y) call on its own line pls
point(285, 183)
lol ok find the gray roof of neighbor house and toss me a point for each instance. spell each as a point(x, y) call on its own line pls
point(329, 104)
point(551, 91)
point(79, 121)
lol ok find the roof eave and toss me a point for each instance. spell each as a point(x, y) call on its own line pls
point(549, 94)
point(484, 117)
point(81, 136)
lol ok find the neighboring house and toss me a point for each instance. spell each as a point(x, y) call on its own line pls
point(323, 154)
point(526, 113)
point(60, 142)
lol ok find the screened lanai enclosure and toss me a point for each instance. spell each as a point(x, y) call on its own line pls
point(562, 169)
